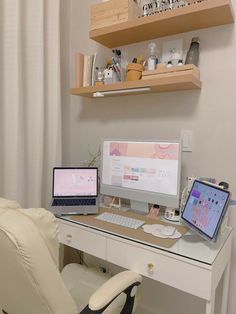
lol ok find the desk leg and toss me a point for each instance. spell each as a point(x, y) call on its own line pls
point(210, 305)
point(225, 289)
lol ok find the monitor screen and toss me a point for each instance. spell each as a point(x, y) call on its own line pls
point(142, 171)
point(205, 208)
point(72, 182)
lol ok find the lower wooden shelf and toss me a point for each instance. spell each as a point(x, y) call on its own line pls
point(164, 83)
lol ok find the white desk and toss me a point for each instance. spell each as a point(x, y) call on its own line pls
point(195, 268)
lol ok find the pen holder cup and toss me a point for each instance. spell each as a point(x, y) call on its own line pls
point(134, 72)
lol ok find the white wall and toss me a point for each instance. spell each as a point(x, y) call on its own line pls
point(209, 113)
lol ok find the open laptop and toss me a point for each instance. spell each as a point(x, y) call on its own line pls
point(74, 191)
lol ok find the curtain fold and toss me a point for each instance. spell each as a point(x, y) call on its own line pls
point(30, 109)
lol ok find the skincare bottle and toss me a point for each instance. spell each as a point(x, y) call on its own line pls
point(152, 57)
point(193, 53)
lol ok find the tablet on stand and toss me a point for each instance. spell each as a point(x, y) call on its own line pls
point(205, 210)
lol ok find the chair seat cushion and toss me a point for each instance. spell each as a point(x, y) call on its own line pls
point(82, 282)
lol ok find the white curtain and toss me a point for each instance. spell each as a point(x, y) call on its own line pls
point(30, 111)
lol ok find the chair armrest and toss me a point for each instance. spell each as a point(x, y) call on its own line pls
point(112, 288)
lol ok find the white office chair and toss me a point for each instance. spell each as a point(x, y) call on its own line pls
point(30, 282)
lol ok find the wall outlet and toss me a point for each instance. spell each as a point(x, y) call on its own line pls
point(187, 140)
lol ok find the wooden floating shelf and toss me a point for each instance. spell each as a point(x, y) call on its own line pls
point(165, 83)
point(204, 14)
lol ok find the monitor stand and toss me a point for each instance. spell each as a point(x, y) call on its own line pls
point(139, 207)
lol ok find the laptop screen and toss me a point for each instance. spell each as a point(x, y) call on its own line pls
point(75, 182)
point(205, 208)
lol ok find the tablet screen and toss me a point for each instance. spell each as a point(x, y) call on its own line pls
point(205, 208)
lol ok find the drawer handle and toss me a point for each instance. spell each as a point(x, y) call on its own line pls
point(150, 267)
point(69, 237)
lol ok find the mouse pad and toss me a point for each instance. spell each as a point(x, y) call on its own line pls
point(135, 235)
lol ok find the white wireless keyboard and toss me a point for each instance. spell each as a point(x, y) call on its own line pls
point(121, 220)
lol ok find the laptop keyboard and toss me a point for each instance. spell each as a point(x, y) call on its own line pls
point(74, 202)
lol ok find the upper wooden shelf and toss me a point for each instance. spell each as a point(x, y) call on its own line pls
point(204, 14)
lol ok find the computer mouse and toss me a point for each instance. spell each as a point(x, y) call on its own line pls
point(168, 230)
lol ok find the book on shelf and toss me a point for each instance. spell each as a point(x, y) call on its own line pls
point(88, 67)
point(79, 69)
point(93, 75)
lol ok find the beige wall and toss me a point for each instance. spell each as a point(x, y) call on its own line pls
point(210, 114)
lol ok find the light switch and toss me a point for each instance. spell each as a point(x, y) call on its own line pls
point(187, 140)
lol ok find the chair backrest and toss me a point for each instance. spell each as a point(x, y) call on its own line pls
point(30, 282)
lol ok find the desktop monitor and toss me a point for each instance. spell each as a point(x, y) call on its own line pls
point(142, 171)
point(205, 209)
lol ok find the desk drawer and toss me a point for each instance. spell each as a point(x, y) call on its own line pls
point(169, 270)
point(81, 239)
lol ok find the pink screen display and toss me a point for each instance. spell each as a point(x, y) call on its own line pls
point(75, 182)
point(145, 150)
